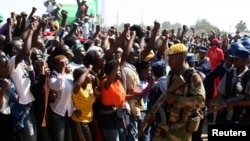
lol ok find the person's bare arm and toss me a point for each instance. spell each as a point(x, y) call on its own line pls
point(105, 42)
point(97, 32)
point(151, 42)
point(10, 22)
point(111, 77)
point(142, 39)
point(118, 42)
point(184, 32)
point(4, 88)
point(64, 18)
point(218, 33)
point(13, 16)
point(72, 31)
point(21, 29)
point(27, 43)
point(128, 48)
point(18, 21)
point(178, 34)
point(79, 82)
point(172, 37)
point(23, 23)
point(41, 26)
point(213, 33)
point(241, 103)
point(32, 12)
point(164, 44)
point(78, 2)
point(225, 42)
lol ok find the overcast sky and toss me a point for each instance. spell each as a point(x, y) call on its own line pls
point(221, 13)
point(224, 14)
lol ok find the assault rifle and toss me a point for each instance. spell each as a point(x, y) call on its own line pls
point(222, 104)
point(180, 81)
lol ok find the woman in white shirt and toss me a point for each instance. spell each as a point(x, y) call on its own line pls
point(62, 107)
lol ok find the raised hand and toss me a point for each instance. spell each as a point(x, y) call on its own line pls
point(156, 25)
point(24, 15)
point(90, 67)
point(10, 21)
point(44, 67)
point(98, 28)
point(143, 33)
point(64, 14)
point(12, 14)
point(34, 9)
point(133, 34)
point(192, 29)
point(126, 26)
point(33, 25)
point(75, 25)
point(111, 31)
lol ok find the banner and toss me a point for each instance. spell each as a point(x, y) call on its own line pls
point(71, 7)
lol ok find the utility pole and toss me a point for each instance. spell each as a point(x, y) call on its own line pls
point(229, 27)
point(117, 19)
point(141, 18)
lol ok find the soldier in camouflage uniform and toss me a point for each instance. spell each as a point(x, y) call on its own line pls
point(183, 104)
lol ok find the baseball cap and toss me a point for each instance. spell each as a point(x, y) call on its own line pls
point(235, 45)
point(216, 41)
point(240, 52)
point(76, 46)
point(159, 67)
point(191, 57)
point(228, 52)
point(203, 49)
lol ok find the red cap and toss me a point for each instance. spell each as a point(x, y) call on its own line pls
point(216, 41)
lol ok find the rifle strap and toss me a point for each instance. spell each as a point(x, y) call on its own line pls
point(245, 78)
point(187, 76)
point(228, 87)
point(243, 82)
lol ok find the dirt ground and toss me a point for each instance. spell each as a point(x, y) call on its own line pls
point(204, 130)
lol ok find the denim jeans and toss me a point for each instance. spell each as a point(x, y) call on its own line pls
point(60, 128)
point(144, 137)
point(115, 134)
point(43, 134)
point(132, 128)
point(29, 133)
point(6, 128)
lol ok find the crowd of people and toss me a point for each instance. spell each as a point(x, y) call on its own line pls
point(63, 82)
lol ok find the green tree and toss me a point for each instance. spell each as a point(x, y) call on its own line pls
point(166, 25)
point(176, 25)
point(203, 26)
point(241, 26)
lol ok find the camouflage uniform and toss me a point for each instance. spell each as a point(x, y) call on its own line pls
point(178, 127)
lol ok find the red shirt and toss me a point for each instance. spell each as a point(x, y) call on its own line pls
point(215, 55)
